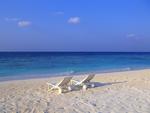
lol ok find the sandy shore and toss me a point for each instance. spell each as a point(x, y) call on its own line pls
point(118, 92)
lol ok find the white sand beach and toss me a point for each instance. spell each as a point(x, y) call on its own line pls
point(117, 92)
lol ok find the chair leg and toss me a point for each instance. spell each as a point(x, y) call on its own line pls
point(48, 89)
point(59, 90)
point(84, 87)
point(69, 88)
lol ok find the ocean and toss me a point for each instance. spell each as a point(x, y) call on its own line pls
point(21, 65)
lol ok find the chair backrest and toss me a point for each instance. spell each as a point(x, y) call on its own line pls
point(65, 81)
point(88, 78)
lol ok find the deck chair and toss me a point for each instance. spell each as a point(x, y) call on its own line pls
point(63, 84)
point(85, 83)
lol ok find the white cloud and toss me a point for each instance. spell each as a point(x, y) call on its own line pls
point(24, 23)
point(18, 21)
point(131, 35)
point(11, 19)
point(74, 20)
point(59, 13)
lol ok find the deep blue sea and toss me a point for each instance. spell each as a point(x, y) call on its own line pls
point(21, 65)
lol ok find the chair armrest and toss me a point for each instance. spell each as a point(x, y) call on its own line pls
point(74, 81)
point(49, 84)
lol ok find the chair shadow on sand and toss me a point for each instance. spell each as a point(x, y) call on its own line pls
point(99, 84)
point(96, 85)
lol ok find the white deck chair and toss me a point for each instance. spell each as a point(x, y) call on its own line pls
point(64, 84)
point(85, 82)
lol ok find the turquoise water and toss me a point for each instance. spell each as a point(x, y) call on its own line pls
point(14, 65)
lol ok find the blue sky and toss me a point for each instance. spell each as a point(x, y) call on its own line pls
point(75, 25)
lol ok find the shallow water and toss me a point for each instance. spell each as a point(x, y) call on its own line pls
point(38, 64)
